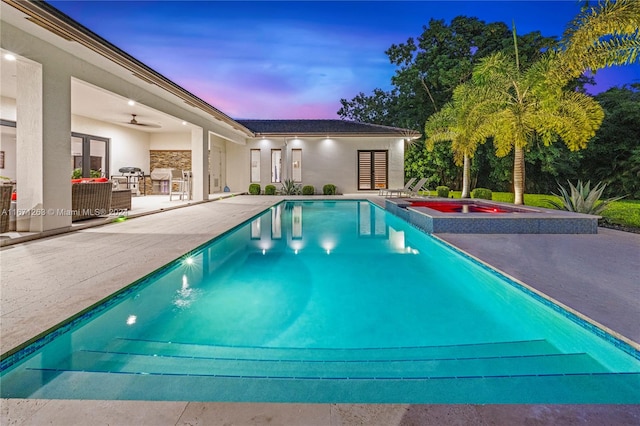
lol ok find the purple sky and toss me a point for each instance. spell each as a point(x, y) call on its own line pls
point(271, 59)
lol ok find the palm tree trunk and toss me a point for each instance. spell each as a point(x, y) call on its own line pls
point(518, 175)
point(466, 177)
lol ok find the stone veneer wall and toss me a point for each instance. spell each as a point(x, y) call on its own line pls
point(166, 159)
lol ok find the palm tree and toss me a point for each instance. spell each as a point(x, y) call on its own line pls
point(461, 123)
point(602, 36)
point(533, 106)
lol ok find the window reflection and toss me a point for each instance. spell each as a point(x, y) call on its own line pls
point(371, 221)
point(255, 229)
point(296, 222)
point(276, 222)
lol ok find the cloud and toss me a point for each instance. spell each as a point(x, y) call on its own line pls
point(304, 65)
point(265, 59)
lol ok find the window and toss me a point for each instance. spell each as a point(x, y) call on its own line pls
point(255, 165)
point(296, 165)
point(372, 169)
point(276, 165)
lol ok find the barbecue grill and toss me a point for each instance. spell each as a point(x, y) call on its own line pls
point(133, 171)
point(160, 178)
point(131, 177)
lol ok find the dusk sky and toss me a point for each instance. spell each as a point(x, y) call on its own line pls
point(272, 60)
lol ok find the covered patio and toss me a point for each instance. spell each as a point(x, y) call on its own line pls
point(72, 104)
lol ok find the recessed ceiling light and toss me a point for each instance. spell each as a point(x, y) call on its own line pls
point(184, 123)
point(131, 103)
point(9, 57)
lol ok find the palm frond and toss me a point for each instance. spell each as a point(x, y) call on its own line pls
point(602, 36)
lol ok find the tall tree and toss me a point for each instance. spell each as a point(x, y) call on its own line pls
point(462, 123)
point(532, 105)
point(432, 65)
point(429, 68)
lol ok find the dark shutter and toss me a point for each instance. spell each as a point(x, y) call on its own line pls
point(372, 169)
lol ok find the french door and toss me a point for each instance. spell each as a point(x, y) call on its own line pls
point(372, 169)
point(90, 154)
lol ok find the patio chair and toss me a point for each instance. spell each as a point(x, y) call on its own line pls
point(415, 191)
point(382, 192)
point(411, 191)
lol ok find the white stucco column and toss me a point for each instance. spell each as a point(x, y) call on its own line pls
point(29, 171)
point(43, 147)
point(199, 163)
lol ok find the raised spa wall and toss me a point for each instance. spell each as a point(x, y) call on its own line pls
point(519, 219)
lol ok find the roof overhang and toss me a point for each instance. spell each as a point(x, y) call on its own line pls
point(61, 25)
point(336, 134)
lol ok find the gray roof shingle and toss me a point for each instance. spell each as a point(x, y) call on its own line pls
point(321, 127)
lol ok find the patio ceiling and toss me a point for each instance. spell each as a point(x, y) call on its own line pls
point(93, 102)
point(47, 23)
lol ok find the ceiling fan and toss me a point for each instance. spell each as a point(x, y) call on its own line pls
point(137, 123)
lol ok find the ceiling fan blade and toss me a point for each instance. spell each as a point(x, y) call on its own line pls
point(135, 122)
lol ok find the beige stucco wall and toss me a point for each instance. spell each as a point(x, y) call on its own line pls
point(324, 160)
point(170, 141)
point(127, 147)
point(7, 108)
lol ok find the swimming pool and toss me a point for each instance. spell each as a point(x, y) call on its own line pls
point(326, 302)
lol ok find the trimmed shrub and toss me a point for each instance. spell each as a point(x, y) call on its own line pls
point(442, 191)
point(329, 189)
point(254, 189)
point(308, 190)
point(270, 190)
point(482, 193)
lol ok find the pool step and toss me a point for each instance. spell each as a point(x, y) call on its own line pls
point(466, 350)
point(505, 366)
point(591, 388)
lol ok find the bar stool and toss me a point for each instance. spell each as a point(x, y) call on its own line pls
point(177, 179)
point(187, 178)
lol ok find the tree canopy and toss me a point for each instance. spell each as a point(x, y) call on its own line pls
point(548, 97)
point(430, 67)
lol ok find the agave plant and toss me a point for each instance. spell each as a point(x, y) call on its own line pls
point(582, 198)
point(289, 187)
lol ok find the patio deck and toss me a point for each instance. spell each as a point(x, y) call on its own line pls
point(47, 280)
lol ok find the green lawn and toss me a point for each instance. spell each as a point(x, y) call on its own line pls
point(623, 212)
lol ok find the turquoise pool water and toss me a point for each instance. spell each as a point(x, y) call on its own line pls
point(326, 302)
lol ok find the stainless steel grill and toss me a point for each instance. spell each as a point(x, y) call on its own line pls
point(160, 180)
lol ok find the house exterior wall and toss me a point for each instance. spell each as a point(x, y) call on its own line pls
point(43, 170)
point(170, 141)
point(324, 160)
point(127, 147)
point(217, 163)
